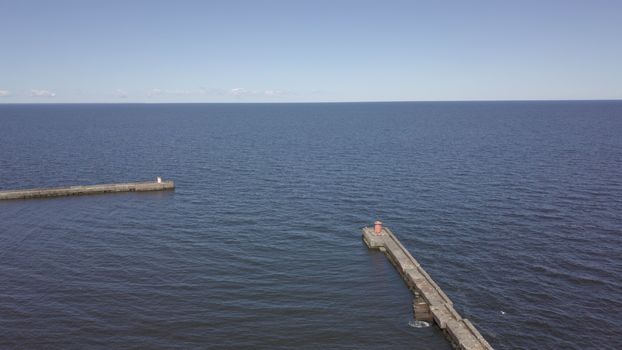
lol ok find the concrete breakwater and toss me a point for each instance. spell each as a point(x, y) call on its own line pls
point(429, 303)
point(157, 185)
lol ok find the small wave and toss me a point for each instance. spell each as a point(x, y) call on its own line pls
point(418, 324)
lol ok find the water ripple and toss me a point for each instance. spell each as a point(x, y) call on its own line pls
point(514, 209)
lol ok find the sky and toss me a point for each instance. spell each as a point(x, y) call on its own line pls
point(86, 51)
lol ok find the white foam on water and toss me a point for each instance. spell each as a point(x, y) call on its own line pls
point(418, 324)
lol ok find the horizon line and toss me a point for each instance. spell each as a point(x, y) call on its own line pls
point(309, 102)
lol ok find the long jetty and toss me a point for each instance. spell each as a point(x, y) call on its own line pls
point(157, 185)
point(430, 302)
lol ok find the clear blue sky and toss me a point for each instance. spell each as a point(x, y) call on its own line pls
point(273, 51)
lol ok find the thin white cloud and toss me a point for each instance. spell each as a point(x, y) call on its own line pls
point(175, 92)
point(238, 92)
point(272, 93)
point(41, 93)
point(154, 92)
point(121, 93)
point(214, 93)
point(4, 93)
point(242, 92)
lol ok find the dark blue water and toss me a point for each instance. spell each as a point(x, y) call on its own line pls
point(514, 208)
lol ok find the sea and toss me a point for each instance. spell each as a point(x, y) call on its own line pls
point(513, 208)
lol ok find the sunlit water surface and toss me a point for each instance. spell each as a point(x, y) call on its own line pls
point(514, 208)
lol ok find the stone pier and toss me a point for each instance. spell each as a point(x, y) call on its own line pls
point(157, 185)
point(429, 302)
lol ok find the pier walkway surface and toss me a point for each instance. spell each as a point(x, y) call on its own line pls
point(157, 185)
point(430, 302)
